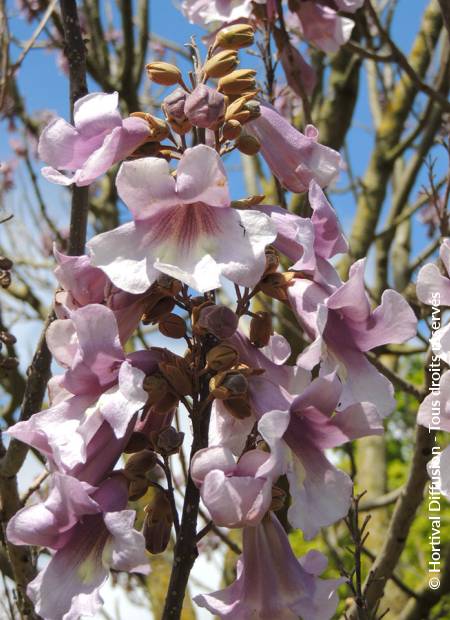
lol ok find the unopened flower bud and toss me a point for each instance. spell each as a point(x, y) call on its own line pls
point(278, 498)
point(172, 326)
point(238, 407)
point(261, 329)
point(157, 522)
point(137, 489)
point(137, 442)
point(205, 107)
point(237, 82)
point(220, 321)
point(272, 260)
point(231, 129)
point(173, 105)
point(181, 127)
point(247, 144)
point(5, 278)
point(220, 64)
point(275, 285)
point(235, 37)
point(243, 109)
point(227, 385)
point(164, 73)
point(164, 305)
point(222, 357)
point(139, 464)
point(6, 263)
point(167, 441)
point(7, 338)
point(177, 376)
point(160, 395)
point(168, 285)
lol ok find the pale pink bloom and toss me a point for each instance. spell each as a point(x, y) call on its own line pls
point(323, 27)
point(217, 12)
point(343, 327)
point(321, 494)
point(300, 76)
point(433, 288)
point(294, 158)
point(98, 139)
point(84, 284)
point(183, 227)
point(272, 583)
point(239, 492)
point(68, 587)
point(101, 386)
point(434, 414)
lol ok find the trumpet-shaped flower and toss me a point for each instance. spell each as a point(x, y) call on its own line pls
point(98, 139)
point(239, 493)
point(100, 385)
point(272, 583)
point(182, 226)
point(294, 158)
point(68, 587)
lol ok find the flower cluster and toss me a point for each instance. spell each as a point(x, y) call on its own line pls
point(256, 414)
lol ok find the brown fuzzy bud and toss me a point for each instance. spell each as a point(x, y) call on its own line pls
point(164, 73)
point(181, 127)
point(243, 109)
point(272, 260)
point(137, 489)
point(169, 285)
point(228, 385)
point(5, 278)
point(137, 442)
point(177, 376)
point(237, 82)
point(275, 285)
point(220, 321)
point(222, 357)
point(7, 338)
point(238, 407)
point(172, 326)
point(9, 363)
point(162, 305)
point(157, 522)
point(231, 129)
point(167, 441)
point(221, 64)
point(278, 498)
point(245, 203)
point(160, 394)
point(235, 37)
point(261, 329)
point(5, 263)
point(139, 464)
point(247, 144)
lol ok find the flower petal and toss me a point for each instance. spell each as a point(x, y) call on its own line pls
point(201, 177)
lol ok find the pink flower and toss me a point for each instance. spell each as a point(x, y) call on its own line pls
point(323, 27)
point(271, 583)
point(218, 12)
point(321, 494)
point(297, 70)
point(295, 159)
point(87, 547)
point(84, 284)
point(433, 288)
point(239, 493)
point(204, 107)
point(344, 327)
point(99, 139)
point(100, 387)
point(183, 227)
